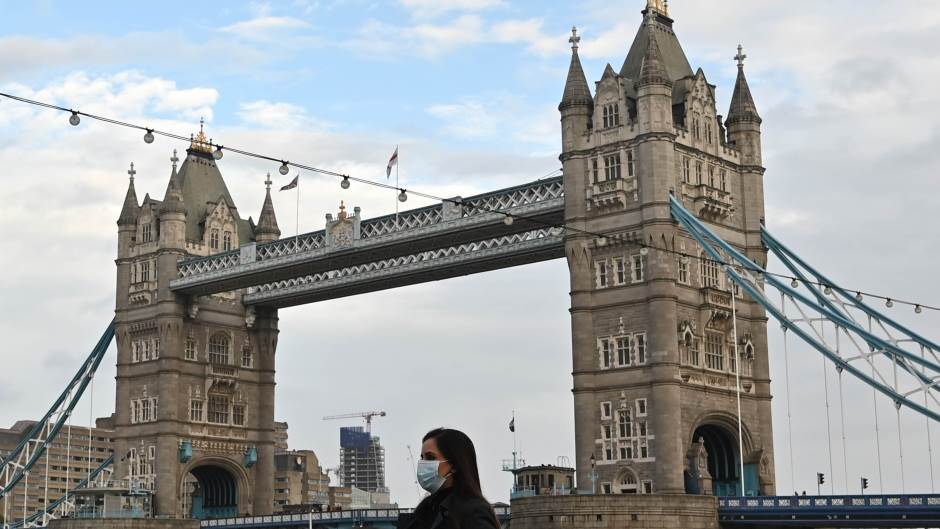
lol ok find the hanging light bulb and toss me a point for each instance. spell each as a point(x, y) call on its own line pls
point(889, 303)
point(283, 169)
point(858, 296)
point(827, 290)
point(148, 136)
point(402, 197)
point(794, 283)
point(508, 220)
point(345, 183)
point(74, 119)
point(918, 309)
point(218, 152)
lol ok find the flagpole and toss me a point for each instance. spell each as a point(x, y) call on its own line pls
point(397, 187)
point(514, 464)
point(297, 218)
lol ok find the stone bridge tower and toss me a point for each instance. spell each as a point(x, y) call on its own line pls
point(195, 377)
point(653, 349)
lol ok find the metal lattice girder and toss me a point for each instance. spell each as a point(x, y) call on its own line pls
point(537, 205)
point(452, 261)
point(879, 355)
point(19, 462)
point(63, 505)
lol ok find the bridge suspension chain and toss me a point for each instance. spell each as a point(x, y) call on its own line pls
point(909, 373)
point(18, 463)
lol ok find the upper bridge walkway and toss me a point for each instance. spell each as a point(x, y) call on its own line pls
point(420, 245)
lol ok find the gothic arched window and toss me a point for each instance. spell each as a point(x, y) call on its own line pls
point(219, 347)
point(214, 239)
point(227, 241)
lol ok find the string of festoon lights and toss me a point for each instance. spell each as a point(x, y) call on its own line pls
point(150, 134)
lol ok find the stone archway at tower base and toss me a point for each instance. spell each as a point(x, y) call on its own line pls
point(616, 510)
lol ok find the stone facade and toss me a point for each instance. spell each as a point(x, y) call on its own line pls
point(195, 376)
point(123, 523)
point(652, 511)
point(654, 351)
point(300, 480)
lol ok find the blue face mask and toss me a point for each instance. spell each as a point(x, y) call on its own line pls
point(429, 476)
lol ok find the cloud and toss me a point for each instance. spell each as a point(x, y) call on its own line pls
point(278, 115)
point(384, 41)
point(432, 8)
point(497, 116)
point(24, 55)
point(264, 28)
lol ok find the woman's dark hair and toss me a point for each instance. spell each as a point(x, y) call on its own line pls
point(458, 450)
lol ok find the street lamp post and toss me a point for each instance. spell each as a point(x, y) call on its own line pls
point(593, 475)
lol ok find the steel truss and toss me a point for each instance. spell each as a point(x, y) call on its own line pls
point(66, 504)
point(20, 461)
point(909, 379)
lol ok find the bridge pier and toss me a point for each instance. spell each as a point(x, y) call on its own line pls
point(640, 511)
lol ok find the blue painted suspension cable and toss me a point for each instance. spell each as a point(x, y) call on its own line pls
point(691, 223)
point(700, 232)
point(82, 484)
point(774, 244)
point(818, 293)
point(83, 378)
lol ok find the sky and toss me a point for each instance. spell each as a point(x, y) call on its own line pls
point(469, 90)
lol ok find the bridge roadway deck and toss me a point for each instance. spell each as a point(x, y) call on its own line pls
point(441, 228)
point(914, 510)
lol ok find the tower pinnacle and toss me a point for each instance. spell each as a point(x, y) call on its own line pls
point(742, 108)
point(267, 229)
point(661, 6)
point(130, 209)
point(577, 91)
point(740, 56)
point(652, 69)
point(575, 39)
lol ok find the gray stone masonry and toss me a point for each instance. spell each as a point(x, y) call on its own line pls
point(639, 511)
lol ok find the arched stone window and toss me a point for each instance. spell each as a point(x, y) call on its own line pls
point(219, 348)
point(627, 483)
point(227, 240)
point(214, 239)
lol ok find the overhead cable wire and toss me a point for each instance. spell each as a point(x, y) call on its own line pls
point(918, 307)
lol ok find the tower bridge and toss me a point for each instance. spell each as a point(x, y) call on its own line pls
point(671, 377)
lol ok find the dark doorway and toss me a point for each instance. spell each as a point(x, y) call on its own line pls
point(723, 462)
point(216, 493)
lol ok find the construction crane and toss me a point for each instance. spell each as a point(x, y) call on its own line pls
point(367, 415)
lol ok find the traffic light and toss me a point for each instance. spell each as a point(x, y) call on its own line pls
point(820, 478)
point(864, 483)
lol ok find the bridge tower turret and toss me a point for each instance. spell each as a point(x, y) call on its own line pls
point(653, 349)
point(194, 410)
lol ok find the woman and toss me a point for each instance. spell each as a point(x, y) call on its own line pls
point(448, 470)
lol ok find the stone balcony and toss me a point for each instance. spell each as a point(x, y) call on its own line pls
point(220, 371)
point(710, 203)
point(612, 193)
point(717, 304)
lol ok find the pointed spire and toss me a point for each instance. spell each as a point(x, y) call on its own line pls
point(173, 199)
point(267, 229)
point(577, 91)
point(130, 209)
point(743, 108)
point(652, 69)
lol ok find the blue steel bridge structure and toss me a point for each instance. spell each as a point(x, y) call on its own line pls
point(473, 235)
